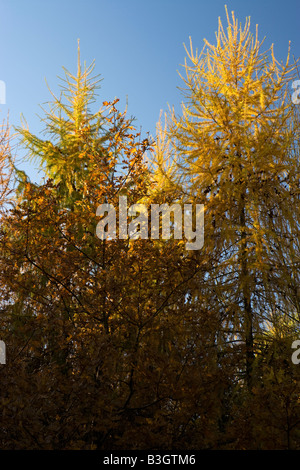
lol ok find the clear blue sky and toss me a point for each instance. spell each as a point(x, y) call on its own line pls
point(137, 46)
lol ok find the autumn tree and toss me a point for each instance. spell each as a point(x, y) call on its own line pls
point(5, 196)
point(235, 148)
point(133, 343)
point(5, 165)
point(104, 349)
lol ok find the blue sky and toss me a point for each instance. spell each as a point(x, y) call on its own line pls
point(137, 46)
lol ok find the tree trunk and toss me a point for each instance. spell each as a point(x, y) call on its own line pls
point(246, 295)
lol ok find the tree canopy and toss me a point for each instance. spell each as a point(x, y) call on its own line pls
point(123, 343)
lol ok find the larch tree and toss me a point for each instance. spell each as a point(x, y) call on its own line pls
point(77, 138)
point(235, 149)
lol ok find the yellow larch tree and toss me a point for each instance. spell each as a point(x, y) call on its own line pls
point(233, 149)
